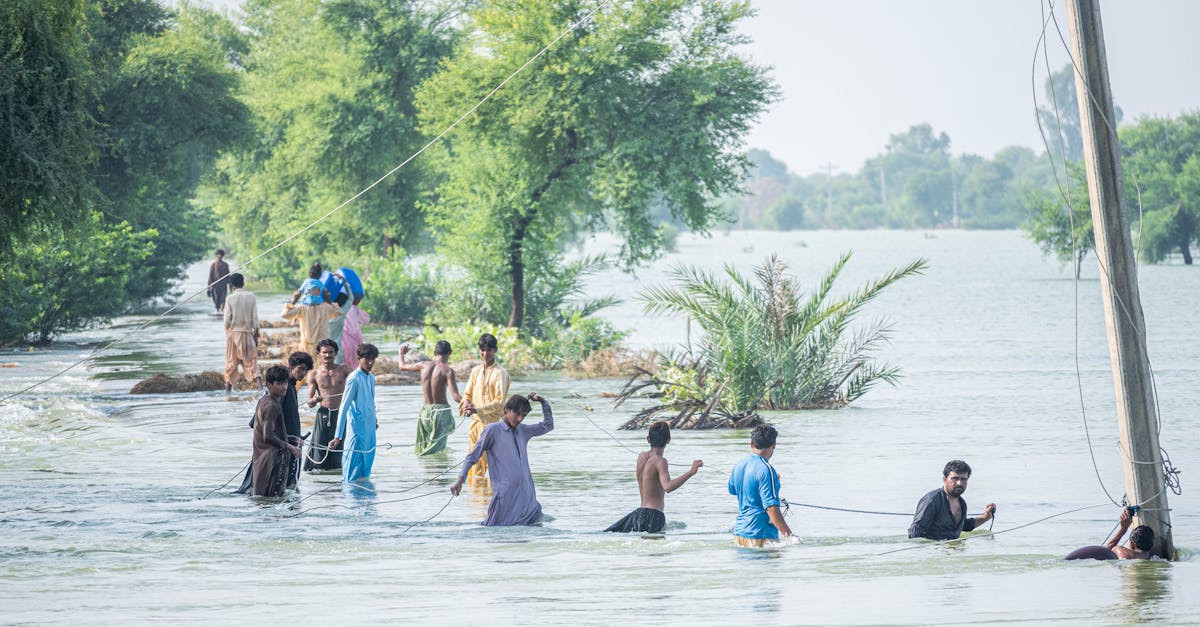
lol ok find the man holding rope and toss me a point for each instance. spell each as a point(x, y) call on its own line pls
point(325, 386)
point(942, 513)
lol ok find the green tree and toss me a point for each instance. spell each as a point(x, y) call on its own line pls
point(1062, 228)
point(644, 104)
point(46, 143)
point(1161, 161)
point(165, 101)
point(330, 86)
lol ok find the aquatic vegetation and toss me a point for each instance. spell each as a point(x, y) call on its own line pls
point(767, 345)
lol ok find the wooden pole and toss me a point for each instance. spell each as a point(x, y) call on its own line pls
point(1136, 413)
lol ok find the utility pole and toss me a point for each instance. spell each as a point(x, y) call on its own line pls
point(1144, 481)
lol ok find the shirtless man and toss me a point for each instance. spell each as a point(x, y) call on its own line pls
point(1141, 541)
point(435, 422)
point(654, 481)
point(325, 386)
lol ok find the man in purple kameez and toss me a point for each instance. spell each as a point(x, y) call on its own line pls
point(514, 500)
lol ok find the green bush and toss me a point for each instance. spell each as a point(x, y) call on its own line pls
point(401, 289)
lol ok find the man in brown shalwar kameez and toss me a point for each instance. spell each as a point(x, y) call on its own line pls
point(271, 446)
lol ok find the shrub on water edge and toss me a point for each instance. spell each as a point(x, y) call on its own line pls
point(402, 289)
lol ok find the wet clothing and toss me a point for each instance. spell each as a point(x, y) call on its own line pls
point(337, 328)
point(514, 499)
point(352, 334)
point(241, 323)
point(314, 324)
point(642, 519)
point(934, 520)
point(487, 390)
point(756, 484)
point(324, 427)
point(356, 426)
point(307, 297)
point(269, 466)
point(1094, 552)
point(218, 283)
point(435, 423)
point(290, 405)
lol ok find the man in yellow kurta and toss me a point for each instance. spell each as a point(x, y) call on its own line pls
point(484, 398)
point(313, 321)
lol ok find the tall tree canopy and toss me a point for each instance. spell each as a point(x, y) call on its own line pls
point(330, 85)
point(644, 105)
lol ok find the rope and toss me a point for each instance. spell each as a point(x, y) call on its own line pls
point(430, 518)
point(990, 534)
point(568, 30)
point(240, 473)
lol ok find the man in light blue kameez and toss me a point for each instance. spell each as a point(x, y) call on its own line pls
point(357, 422)
point(514, 500)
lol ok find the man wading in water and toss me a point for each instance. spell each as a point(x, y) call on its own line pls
point(325, 386)
point(654, 481)
point(435, 422)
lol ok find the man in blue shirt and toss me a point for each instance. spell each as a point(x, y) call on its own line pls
point(756, 485)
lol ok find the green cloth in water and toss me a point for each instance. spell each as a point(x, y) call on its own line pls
point(434, 426)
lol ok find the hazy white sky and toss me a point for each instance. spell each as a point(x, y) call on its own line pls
point(853, 72)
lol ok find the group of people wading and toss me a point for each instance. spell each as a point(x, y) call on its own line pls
point(498, 438)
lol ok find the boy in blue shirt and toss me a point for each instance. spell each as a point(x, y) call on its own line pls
point(756, 484)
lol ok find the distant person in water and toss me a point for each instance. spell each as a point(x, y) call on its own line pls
point(325, 386)
point(1140, 547)
point(357, 423)
point(484, 398)
point(514, 499)
point(942, 513)
point(241, 333)
point(272, 446)
point(654, 481)
point(218, 281)
point(435, 423)
point(756, 484)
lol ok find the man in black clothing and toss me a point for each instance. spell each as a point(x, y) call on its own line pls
point(942, 513)
point(299, 363)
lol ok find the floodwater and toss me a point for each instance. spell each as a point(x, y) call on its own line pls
point(105, 520)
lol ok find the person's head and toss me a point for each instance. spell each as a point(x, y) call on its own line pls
point(299, 363)
point(366, 356)
point(277, 380)
point(1142, 538)
point(762, 439)
point(442, 349)
point(327, 349)
point(220, 253)
point(314, 271)
point(487, 347)
point(659, 434)
point(955, 476)
point(515, 409)
point(237, 280)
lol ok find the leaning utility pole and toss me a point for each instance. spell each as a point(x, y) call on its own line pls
point(1144, 481)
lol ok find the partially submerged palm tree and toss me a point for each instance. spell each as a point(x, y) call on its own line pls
point(766, 345)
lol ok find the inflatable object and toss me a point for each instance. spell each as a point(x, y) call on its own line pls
point(352, 280)
point(1094, 552)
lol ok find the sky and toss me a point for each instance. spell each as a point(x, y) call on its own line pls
point(853, 72)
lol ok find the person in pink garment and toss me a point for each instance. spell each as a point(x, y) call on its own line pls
point(352, 332)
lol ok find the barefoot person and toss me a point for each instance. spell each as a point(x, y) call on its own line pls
point(325, 386)
point(654, 481)
point(514, 499)
point(756, 484)
point(942, 513)
point(272, 448)
point(357, 423)
point(241, 332)
point(435, 423)
point(484, 397)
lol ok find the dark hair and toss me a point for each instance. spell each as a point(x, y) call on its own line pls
point(487, 341)
point(442, 348)
point(1142, 538)
point(519, 404)
point(327, 342)
point(237, 280)
point(220, 252)
point(763, 437)
point(314, 272)
point(300, 358)
point(956, 465)
point(277, 374)
point(659, 434)
point(367, 350)
point(341, 299)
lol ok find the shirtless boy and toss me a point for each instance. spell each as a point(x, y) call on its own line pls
point(654, 481)
point(325, 386)
point(435, 422)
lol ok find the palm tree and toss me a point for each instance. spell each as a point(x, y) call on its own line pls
point(768, 346)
